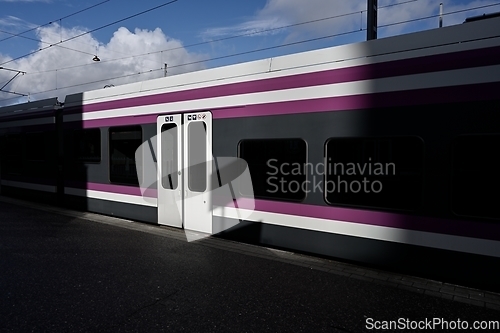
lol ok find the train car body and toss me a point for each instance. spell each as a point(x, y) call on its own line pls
point(29, 146)
point(379, 152)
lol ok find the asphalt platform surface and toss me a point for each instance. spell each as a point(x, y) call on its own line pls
point(64, 271)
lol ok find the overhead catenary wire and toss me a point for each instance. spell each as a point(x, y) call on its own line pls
point(194, 62)
point(228, 37)
point(4, 84)
point(396, 4)
point(19, 35)
point(325, 37)
point(256, 50)
point(59, 19)
point(149, 53)
point(263, 31)
point(334, 35)
point(438, 15)
point(51, 44)
point(93, 30)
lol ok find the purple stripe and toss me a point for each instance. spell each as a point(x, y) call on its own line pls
point(464, 228)
point(474, 229)
point(484, 91)
point(118, 189)
point(120, 121)
point(151, 193)
point(427, 64)
point(457, 94)
point(130, 190)
point(108, 122)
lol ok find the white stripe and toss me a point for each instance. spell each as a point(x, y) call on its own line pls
point(394, 48)
point(122, 198)
point(412, 237)
point(30, 186)
point(400, 83)
point(29, 122)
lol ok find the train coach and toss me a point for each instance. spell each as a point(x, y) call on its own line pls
point(380, 152)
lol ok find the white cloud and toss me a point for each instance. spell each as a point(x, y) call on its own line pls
point(13, 22)
point(275, 13)
point(56, 68)
point(278, 13)
point(253, 27)
point(427, 8)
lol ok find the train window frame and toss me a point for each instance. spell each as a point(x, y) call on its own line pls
point(419, 194)
point(453, 175)
point(110, 150)
point(277, 198)
point(76, 157)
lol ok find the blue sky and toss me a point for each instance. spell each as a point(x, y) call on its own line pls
point(144, 43)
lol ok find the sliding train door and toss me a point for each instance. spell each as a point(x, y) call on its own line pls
point(184, 171)
point(198, 170)
point(169, 163)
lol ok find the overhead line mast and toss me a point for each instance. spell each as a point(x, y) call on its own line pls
point(371, 22)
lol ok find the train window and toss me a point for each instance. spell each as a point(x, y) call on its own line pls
point(87, 145)
point(169, 153)
point(13, 146)
point(197, 156)
point(13, 154)
point(35, 146)
point(475, 175)
point(276, 167)
point(374, 172)
point(123, 142)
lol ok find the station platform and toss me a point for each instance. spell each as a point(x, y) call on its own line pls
point(63, 270)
